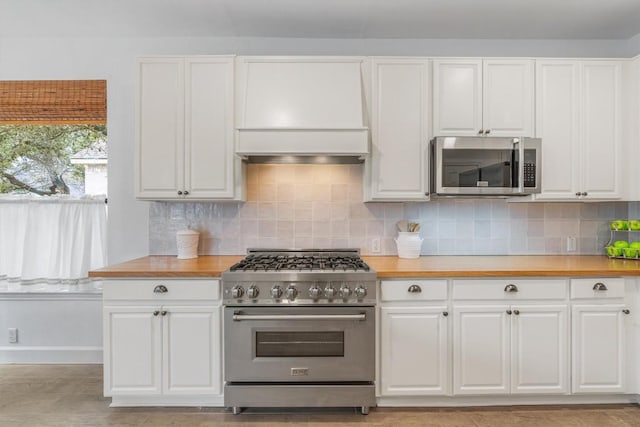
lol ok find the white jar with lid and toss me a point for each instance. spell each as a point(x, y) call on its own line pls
point(187, 242)
point(409, 244)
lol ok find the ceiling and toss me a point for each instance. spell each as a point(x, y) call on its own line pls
point(407, 19)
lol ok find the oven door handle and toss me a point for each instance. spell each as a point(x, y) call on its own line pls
point(238, 317)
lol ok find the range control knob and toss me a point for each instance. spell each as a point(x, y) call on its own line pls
point(345, 291)
point(360, 292)
point(330, 292)
point(315, 292)
point(253, 292)
point(292, 293)
point(237, 292)
point(276, 292)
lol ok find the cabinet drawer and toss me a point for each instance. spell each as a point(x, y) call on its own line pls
point(413, 290)
point(491, 289)
point(148, 289)
point(597, 288)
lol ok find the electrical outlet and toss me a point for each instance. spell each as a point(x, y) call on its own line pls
point(375, 245)
point(571, 244)
point(13, 335)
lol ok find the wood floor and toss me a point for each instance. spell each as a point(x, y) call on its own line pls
point(71, 395)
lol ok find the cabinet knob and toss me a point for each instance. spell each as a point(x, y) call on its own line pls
point(155, 313)
point(163, 312)
point(179, 193)
point(445, 313)
point(487, 132)
point(160, 289)
point(415, 289)
point(511, 288)
point(516, 312)
point(600, 287)
point(578, 194)
point(186, 193)
point(584, 193)
point(481, 131)
point(509, 312)
point(626, 311)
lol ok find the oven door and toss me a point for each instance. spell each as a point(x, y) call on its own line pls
point(299, 344)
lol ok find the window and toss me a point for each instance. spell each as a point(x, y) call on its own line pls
point(53, 137)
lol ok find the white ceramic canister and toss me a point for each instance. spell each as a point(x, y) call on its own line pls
point(409, 244)
point(187, 241)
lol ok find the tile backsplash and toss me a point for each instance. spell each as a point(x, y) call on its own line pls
point(303, 206)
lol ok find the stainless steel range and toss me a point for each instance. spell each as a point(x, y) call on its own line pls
point(299, 330)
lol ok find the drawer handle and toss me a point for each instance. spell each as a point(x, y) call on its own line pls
point(516, 312)
point(163, 312)
point(415, 289)
point(600, 287)
point(160, 289)
point(511, 288)
point(155, 313)
point(626, 311)
point(509, 312)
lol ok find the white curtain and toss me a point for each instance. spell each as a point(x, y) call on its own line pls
point(50, 243)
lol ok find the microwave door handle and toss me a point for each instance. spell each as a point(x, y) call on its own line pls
point(520, 144)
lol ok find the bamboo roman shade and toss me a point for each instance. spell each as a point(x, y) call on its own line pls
point(53, 101)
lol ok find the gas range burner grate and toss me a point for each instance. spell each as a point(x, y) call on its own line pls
point(280, 262)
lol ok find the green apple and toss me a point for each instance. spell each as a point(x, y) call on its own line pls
point(619, 224)
point(634, 245)
point(630, 252)
point(611, 251)
point(620, 244)
point(634, 224)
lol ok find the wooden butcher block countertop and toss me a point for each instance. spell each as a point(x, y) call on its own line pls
point(392, 266)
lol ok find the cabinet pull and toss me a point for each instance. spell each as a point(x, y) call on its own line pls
point(445, 313)
point(415, 289)
point(516, 312)
point(186, 193)
point(155, 313)
point(600, 287)
point(163, 312)
point(179, 193)
point(481, 131)
point(578, 194)
point(626, 311)
point(584, 193)
point(509, 312)
point(160, 289)
point(511, 288)
point(487, 132)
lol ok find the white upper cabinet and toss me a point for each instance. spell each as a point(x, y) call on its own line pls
point(400, 130)
point(578, 119)
point(185, 129)
point(483, 97)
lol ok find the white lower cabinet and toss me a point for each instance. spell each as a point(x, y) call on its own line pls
point(414, 355)
point(162, 344)
point(510, 349)
point(599, 348)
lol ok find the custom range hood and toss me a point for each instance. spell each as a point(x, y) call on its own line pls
point(300, 110)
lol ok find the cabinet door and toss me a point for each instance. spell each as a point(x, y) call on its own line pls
point(481, 350)
point(209, 127)
point(598, 338)
point(192, 349)
point(557, 123)
point(160, 128)
point(132, 351)
point(400, 131)
point(539, 349)
point(600, 124)
point(457, 97)
point(414, 357)
point(507, 97)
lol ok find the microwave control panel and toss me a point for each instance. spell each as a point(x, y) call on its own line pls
point(529, 174)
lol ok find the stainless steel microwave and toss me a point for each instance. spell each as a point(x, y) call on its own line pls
point(485, 166)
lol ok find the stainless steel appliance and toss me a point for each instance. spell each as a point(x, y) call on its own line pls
point(299, 330)
point(485, 166)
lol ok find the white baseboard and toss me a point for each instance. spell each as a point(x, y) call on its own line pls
point(50, 355)
point(460, 401)
point(163, 400)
